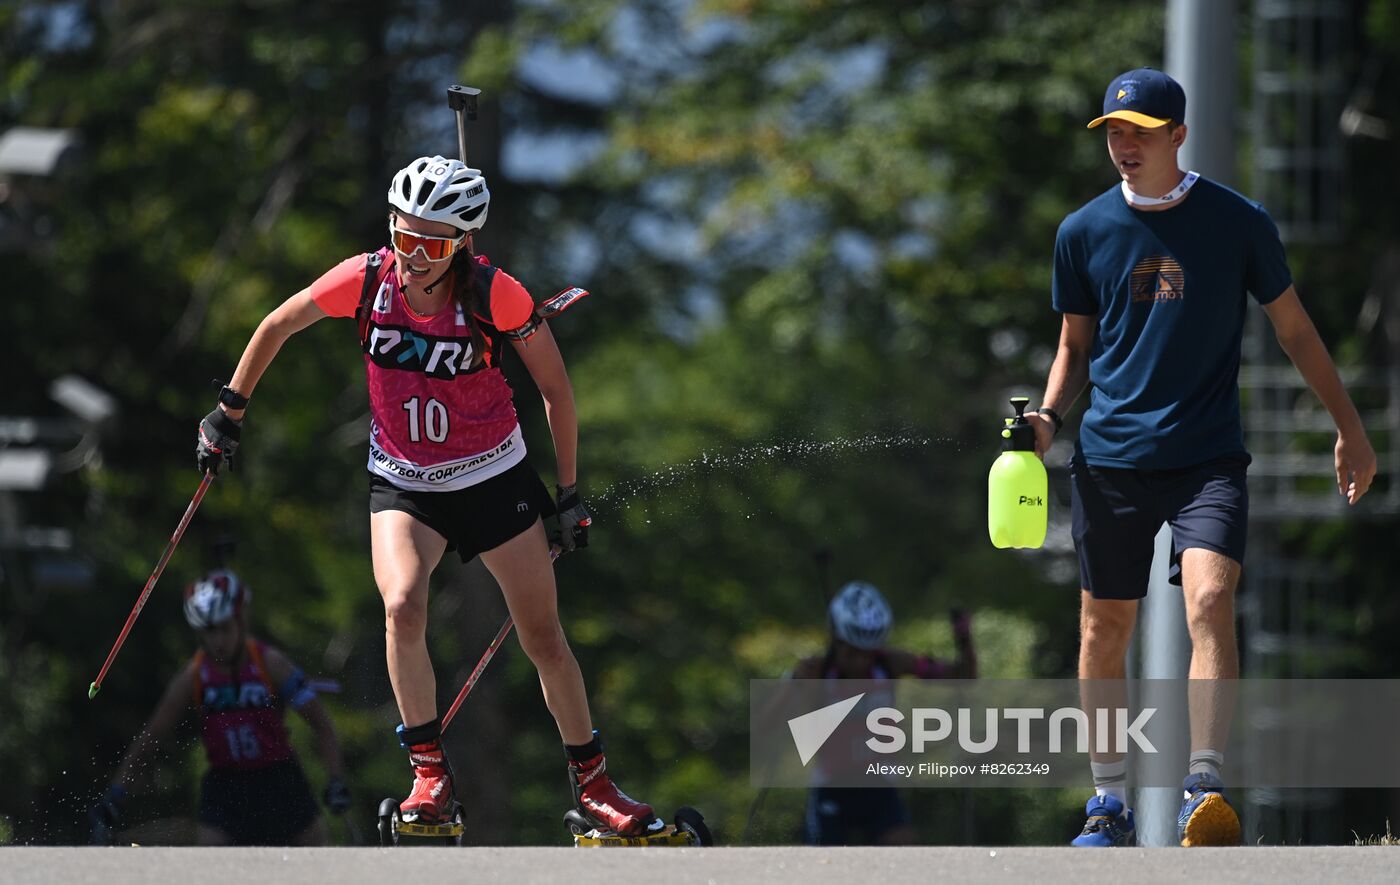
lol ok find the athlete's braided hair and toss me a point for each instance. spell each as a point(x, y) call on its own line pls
point(463, 271)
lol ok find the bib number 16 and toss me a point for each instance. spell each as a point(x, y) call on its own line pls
point(433, 420)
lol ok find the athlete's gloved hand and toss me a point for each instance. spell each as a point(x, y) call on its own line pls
point(573, 519)
point(105, 817)
point(336, 796)
point(217, 441)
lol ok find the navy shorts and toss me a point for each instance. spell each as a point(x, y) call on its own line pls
point(852, 815)
point(478, 518)
point(1118, 512)
point(268, 806)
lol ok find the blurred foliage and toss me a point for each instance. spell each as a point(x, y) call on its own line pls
point(818, 235)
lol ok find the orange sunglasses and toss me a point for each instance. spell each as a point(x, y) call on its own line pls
point(406, 242)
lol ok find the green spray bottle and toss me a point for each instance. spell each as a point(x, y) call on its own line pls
point(1017, 487)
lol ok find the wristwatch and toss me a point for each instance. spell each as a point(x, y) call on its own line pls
point(1053, 415)
point(232, 398)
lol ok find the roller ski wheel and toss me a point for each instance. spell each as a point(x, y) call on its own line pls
point(388, 829)
point(576, 822)
point(687, 829)
point(394, 830)
point(692, 823)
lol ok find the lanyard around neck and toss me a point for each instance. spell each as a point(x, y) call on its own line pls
point(1176, 193)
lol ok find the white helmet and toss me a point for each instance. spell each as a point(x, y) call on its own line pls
point(215, 598)
point(438, 189)
point(860, 616)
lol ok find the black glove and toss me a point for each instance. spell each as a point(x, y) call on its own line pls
point(573, 519)
point(105, 817)
point(336, 796)
point(217, 441)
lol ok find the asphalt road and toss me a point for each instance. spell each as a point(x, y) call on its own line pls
point(808, 866)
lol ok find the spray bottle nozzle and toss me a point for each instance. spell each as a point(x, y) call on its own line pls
point(1018, 433)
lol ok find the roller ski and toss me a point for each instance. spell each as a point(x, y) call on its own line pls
point(394, 830)
point(687, 828)
point(604, 816)
point(431, 814)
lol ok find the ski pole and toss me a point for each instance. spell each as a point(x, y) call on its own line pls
point(151, 582)
point(485, 659)
point(480, 668)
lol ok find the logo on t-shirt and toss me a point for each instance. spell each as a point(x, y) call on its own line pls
point(244, 696)
point(1158, 278)
point(397, 347)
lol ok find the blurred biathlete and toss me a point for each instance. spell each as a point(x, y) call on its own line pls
point(860, 621)
point(255, 792)
point(447, 460)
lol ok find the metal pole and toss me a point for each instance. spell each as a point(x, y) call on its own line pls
point(1200, 53)
point(1201, 56)
point(1166, 651)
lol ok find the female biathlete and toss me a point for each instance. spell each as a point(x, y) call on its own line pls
point(255, 792)
point(447, 460)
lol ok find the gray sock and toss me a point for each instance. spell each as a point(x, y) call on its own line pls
point(1111, 779)
point(1206, 762)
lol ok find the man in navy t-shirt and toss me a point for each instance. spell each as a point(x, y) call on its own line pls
point(1151, 278)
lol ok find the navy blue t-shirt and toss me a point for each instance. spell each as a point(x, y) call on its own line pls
point(1168, 289)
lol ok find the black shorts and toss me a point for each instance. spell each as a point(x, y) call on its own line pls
point(852, 815)
point(1118, 512)
point(269, 806)
point(478, 518)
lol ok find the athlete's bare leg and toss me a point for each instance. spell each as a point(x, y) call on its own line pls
point(522, 567)
point(405, 553)
point(1208, 581)
point(1105, 629)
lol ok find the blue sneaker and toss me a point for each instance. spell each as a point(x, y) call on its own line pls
point(1110, 825)
point(1206, 817)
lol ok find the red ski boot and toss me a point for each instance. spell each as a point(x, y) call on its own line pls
point(599, 799)
point(432, 798)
